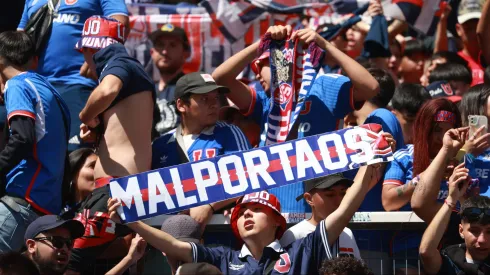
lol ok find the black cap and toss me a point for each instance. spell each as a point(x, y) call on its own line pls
point(324, 183)
point(48, 222)
point(170, 29)
point(197, 83)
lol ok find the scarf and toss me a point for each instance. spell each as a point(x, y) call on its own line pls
point(294, 67)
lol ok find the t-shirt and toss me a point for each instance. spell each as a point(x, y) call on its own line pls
point(38, 178)
point(304, 256)
point(168, 117)
point(220, 139)
point(476, 69)
point(399, 171)
point(329, 100)
point(481, 169)
point(347, 243)
point(59, 61)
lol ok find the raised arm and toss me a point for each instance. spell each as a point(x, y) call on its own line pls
point(441, 42)
point(164, 242)
point(339, 219)
point(101, 98)
point(483, 31)
point(424, 198)
point(395, 197)
point(429, 254)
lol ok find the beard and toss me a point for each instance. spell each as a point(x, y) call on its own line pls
point(170, 68)
point(46, 266)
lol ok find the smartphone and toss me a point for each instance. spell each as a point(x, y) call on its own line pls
point(475, 122)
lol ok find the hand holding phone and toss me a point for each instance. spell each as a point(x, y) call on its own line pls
point(476, 122)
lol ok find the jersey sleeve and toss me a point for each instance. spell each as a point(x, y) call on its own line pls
point(394, 174)
point(317, 245)
point(113, 7)
point(235, 140)
point(210, 255)
point(258, 106)
point(18, 101)
point(336, 93)
point(119, 69)
point(25, 18)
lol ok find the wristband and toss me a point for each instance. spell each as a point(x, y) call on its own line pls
point(460, 155)
point(415, 181)
point(452, 206)
point(212, 208)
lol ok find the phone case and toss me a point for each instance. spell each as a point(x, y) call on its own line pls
point(475, 122)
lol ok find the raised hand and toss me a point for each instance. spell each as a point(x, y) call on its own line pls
point(375, 8)
point(477, 144)
point(280, 32)
point(454, 139)
point(137, 249)
point(112, 205)
point(458, 183)
point(307, 36)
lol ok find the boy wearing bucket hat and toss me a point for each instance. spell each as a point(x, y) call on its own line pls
point(118, 117)
point(257, 222)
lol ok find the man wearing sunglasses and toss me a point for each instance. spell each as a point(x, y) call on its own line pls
point(49, 241)
point(470, 257)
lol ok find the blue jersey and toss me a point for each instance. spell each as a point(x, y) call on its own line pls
point(221, 139)
point(399, 171)
point(59, 61)
point(38, 177)
point(480, 168)
point(329, 100)
point(304, 256)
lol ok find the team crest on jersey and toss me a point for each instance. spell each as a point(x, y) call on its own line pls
point(284, 95)
point(283, 264)
point(70, 2)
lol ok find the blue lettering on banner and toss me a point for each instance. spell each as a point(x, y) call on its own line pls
point(188, 185)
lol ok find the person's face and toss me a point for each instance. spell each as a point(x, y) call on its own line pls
point(459, 87)
point(355, 41)
point(88, 54)
point(411, 68)
point(395, 58)
point(325, 201)
point(436, 136)
point(84, 179)
point(424, 79)
point(168, 54)
point(340, 42)
point(202, 109)
point(407, 123)
point(477, 239)
point(264, 76)
point(257, 221)
point(48, 258)
point(467, 32)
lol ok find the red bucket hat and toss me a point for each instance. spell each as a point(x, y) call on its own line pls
point(256, 63)
point(100, 32)
point(263, 198)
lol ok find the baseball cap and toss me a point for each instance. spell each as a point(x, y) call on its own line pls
point(323, 183)
point(263, 198)
point(440, 89)
point(469, 9)
point(99, 32)
point(183, 228)
point(256, 63)
point(170, 29)
point(48, 222)
point(197, 83)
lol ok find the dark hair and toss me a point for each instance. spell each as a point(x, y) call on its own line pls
point(414, 46)
point(14, 263)
point(451, 72)
point(186, 98)
point(345, 266)
point(451, 57)
point(474, 102)
point(486, 76)
point(409, 98)
point(475, 201)
point(76, 159)
point(16, 48)
point(386, 87)
point(423, 127)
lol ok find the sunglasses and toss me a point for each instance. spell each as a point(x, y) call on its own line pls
point(475, 213)
point(57, 242)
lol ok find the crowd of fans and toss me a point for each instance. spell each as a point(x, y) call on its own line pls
point(81, 111)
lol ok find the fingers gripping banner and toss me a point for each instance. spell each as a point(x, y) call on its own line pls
point(188, 185)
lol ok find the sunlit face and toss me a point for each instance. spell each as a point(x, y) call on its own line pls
point(325, 201)
point(467, 32)
point(436, 136)
point(257, 221)
point(50, 259)
point(202, 108)
point(424, 79)
point(477, 239)
point(412, 68)
point(169, 54)
point(395, 58)
point(355, 41)
point(264, 75)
